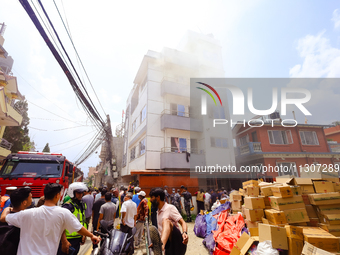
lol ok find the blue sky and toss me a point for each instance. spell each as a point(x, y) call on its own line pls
point(258, 38)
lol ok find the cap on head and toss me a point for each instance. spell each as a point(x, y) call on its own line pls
point(142, 193)
point(11, 188)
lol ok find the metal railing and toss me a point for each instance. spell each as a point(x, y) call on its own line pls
point(176, 113)
point(5, 144)
point(250, 148)
point(181, 150)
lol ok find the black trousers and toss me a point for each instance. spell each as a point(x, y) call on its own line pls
point(175, 245)
point(154, 216)
point(75, 243)
point(200, 206)
point(128, 230)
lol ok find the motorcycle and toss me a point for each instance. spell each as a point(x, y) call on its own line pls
point(114, 241)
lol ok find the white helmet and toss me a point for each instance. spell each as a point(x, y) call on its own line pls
point(76, 186)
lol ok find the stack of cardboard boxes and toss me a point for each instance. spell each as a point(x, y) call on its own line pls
point(292, 211)
point(236, 201)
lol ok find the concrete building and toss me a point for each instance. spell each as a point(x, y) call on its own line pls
point(157, 135)
point(91, 171)
point(9, 93)
point(282, 146)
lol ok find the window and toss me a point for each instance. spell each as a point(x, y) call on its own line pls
point(193, 146)
point(244, 140)
point(177, 109)
point(254, 137)
point(143, 115)
point(134, 126)
point(142, 147)
point(218, 112)
point(219, 142)
point(287, 168)
point(133, 153)
point(309, 138)
point(178, 144)
point(280, 137)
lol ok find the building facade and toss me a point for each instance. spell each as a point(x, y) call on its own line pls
point(290, 147)
point(9, 93)
point(157, 137)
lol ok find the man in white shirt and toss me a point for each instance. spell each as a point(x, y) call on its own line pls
point(129, 214)
point(42, 228)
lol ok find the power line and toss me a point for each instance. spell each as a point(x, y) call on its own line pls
point(67, 141)
point(51, 112)
point(36, 118)
point(72, 146)
point(81, 62)
point(71, 128)
point(38, 129)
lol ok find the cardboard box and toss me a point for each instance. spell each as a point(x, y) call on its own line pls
point(253, 231)
point(307, 189)
point(311, 211)
point(336, 186)
point(275, 217)
point(295, 246)
point(309, 249)
point(277, 235)
point(236, 205)
point(324, 199)
point(306, 199)
point(266, 202)
point(235, 196)
point(242, 192)
point(319, 173)
point(296, 215)
point(328, 209)
point(296, 190)
point(282, 191)
point(252, 191)
point(251, 183)
point(294, 232)
point(266, 191)
point(321, 239)
point(282, 204)
point(313, 222)
point(254, 202)
point(332, 229)
point(300, 224)
point(254, 215)
point(242, 245)
point(331, 219)
point(265, 221)
point(305, 184)
point(323, 187)
point(252, 224)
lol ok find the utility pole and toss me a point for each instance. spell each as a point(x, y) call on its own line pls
point(110, 156)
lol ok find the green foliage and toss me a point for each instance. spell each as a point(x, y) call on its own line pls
point(46, 148)
point(90, 180)
point(18, 135)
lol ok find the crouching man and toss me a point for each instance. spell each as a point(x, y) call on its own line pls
point(168, 218)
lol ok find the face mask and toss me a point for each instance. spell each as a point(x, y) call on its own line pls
point(173, 191)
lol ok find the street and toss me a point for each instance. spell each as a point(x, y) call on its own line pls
point(195, 245)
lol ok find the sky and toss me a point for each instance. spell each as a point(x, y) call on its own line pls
point(259, 39)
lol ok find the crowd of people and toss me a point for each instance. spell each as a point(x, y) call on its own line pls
point(50, 229)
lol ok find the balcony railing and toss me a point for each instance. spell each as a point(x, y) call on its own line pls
point(176, 113)
point(5, 144)
point(249, 148)
point(335, 147)
point(181, 150)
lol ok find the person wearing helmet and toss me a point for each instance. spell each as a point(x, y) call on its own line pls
point(77, 207)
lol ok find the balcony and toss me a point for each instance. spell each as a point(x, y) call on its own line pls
point(172, 159)
point(249, 148)
point(5, 148)
point(334, 146)
point(8, 115)
point(178, 86)
point(179, 120)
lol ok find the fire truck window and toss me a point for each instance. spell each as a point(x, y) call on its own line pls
point(9, 168)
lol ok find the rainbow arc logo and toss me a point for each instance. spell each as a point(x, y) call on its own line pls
point(204, 98)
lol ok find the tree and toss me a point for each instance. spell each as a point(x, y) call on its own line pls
point(18, 135)
point(90, 180)
point(46, 148)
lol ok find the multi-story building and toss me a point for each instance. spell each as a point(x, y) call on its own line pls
point(275, 145)
point(9, 116)
point(157, 136)
point(91, 171)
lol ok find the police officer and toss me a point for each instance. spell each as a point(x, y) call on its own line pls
point(187, 198)
point(77, 207)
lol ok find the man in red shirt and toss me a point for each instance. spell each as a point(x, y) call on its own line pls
point(142, 212)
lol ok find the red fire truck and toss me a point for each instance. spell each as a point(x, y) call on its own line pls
point(36, 169)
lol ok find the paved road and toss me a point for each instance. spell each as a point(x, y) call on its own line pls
point(195, 246)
